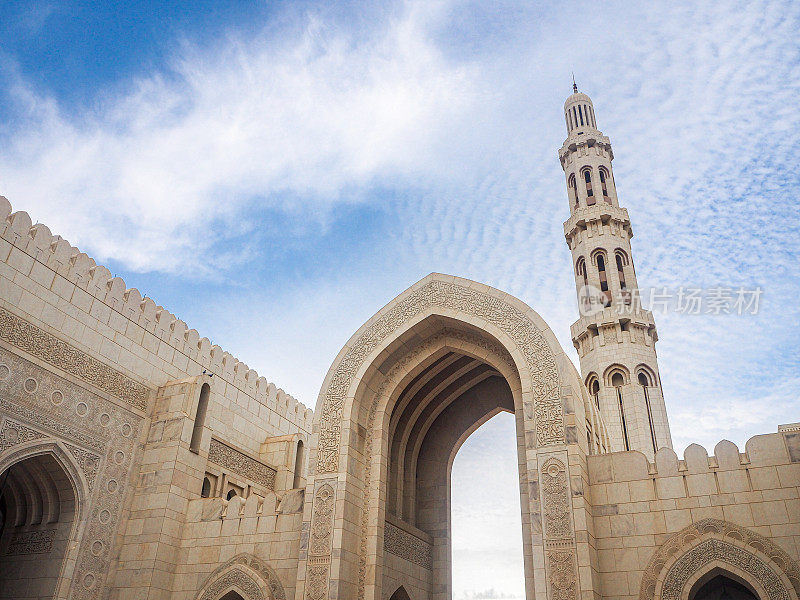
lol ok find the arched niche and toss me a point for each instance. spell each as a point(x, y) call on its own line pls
point(244, 576)
point(691, 557)
point(44, 509)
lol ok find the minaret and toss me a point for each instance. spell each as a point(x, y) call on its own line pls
point(615, 338)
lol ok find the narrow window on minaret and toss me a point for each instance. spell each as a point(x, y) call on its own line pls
point(621, 273)
point(580, 113)
point(604, 186)
point(594, 390)
point(575, 116)
point(643, 381)
point(617, 381)
point(566, 118)
point(572, 189)
point(589, 437)
point(587, 177)
point(591, 116)
point(601, 269)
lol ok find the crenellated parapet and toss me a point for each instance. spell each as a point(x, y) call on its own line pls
point(45, 256)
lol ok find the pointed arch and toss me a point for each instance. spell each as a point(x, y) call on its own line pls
point(246, 575)
point(400, 594)
point(366, 383)
point(690, 555)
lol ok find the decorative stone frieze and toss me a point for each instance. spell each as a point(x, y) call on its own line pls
point(60, 354)
point(227, 457)
point(405, 545)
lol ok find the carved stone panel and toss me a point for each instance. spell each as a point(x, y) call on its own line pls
point(232, 459)
point(45, 346)
point(320, 541)
point(408, 546)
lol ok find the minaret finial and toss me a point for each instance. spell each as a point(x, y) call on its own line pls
point(574, 85)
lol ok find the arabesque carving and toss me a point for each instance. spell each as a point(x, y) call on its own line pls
point(238, 573)
point(725, 542)
point(88, 427)
point(230, 458)
point(60, 354)
point(408, 546)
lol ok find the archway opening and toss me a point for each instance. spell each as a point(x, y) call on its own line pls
point(232, 595)
point(485, 506)
point(449, 393)
point(37, 513)
point(400, 594)
point(722, 587)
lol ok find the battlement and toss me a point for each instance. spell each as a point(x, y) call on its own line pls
point(42, 256)
point(767, 450)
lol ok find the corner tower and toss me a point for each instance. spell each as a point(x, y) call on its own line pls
point(615, 337)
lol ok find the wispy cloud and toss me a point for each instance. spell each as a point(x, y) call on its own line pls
point(446, 118)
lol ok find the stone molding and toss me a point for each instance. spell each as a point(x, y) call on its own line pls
point(695, 547)
point(248, 575)
point(408, 546)
point(228, 457)
point(45, 346)
point(95, 441)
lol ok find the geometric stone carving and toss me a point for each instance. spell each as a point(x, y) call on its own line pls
point(248, 575)
point(559, 540)
point(405, 545)
point(62, 355)
point(717, 550)
point(99, 437)
point(320, 542)
point(735, 545)
point(230, 458)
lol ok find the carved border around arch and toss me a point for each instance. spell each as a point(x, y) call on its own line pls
point(247, 574)
point(708, 541)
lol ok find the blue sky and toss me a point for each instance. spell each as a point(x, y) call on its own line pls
point(274, 173)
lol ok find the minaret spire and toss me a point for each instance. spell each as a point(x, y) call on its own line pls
point(615, 338)
point(574, 85)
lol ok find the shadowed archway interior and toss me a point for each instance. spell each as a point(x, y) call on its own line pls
point(38, 507)
point(721, 587)
point(435, 411)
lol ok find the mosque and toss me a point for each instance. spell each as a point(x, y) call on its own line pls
point(138, 461)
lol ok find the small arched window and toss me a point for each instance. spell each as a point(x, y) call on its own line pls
point(594, 390)
point(299, 457)
point(604, 185)
point(587, 178)
point(646, 380)
point(617, 381)
point(206, 491)
point(200, 418)
point(231, 494)
point(572, 190)
point(601, 270)
point(620, 273)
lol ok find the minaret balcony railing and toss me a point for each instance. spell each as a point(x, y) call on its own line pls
point(603, 212)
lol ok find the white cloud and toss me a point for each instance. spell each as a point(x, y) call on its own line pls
point(180, 156)
point(456, 108)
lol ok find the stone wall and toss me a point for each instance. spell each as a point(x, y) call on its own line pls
point(94, 371)
point(640, 507)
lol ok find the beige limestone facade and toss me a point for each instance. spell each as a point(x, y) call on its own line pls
point(140, 462)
